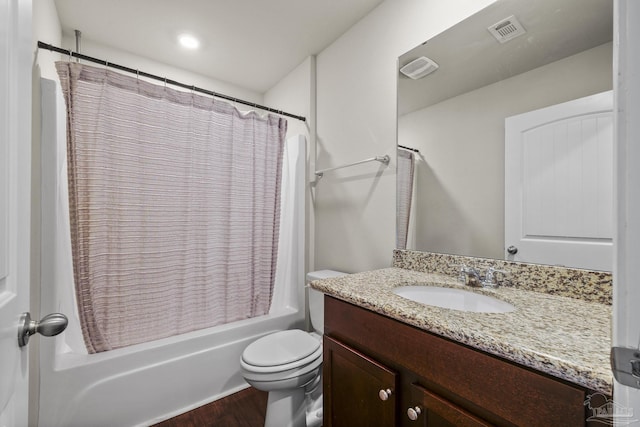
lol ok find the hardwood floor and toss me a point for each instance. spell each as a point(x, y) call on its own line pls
point(243, 409)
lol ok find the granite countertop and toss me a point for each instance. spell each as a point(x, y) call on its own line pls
point(563, 337)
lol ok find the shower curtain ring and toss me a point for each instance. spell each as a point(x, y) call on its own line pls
point(70, 54)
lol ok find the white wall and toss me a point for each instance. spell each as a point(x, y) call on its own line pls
point(46, 28)
point(296, 94)
point(459, 207)
point(107, 53)
point(356, 113)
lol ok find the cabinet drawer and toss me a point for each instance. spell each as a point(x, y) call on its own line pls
point(430, 410)
point(358, 391)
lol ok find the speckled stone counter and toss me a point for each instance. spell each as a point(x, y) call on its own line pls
point(564, 337)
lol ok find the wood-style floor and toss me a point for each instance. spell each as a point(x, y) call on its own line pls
point(246, 408)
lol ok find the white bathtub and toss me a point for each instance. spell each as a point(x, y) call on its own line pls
point(145, 383)
point(150, 382)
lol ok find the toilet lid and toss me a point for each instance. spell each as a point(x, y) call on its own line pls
point(280, 348)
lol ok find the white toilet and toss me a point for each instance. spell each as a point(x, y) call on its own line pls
point(288, 364)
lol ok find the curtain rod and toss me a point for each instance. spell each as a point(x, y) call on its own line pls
point(71, 53)
point(415, 150)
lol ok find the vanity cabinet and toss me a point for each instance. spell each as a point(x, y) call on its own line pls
point(382, 372)
point(433, 410)
point(362, 391)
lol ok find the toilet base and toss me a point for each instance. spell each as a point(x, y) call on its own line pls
point(313, 401)
point(314, 413)
point(298, 407)
point(286, 408)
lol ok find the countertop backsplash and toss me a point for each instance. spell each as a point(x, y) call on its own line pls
point(587, 285)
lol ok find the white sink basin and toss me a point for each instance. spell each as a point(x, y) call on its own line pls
point(456, 299)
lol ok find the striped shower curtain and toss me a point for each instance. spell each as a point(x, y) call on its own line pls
point(174, 206)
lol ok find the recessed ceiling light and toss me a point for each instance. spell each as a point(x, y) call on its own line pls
point(188, 41)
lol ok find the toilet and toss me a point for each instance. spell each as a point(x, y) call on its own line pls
point(288, 365)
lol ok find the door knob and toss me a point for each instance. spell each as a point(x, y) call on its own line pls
point(50, 325)
point(512, 250)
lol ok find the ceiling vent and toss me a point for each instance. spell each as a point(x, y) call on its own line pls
point(419, 68)
point(507, 29)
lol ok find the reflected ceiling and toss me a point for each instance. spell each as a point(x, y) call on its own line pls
point(470, 57)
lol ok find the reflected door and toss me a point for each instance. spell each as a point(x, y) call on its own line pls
point(559, 184)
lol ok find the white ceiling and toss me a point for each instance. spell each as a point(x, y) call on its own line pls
point(250, 43)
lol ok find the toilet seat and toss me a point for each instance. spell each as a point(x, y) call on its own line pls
point(276, 375)
point(281, 351)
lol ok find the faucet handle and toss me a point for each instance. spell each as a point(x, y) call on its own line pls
point(489, 280)
point(462, 276)
point(469, 276)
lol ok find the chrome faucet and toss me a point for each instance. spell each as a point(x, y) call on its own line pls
point(470, 276)
point(490, 280)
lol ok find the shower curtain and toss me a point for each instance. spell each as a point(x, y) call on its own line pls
point(174, 207)
point(404, 192)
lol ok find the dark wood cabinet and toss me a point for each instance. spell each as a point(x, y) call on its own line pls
point(434, 382)
point(361, 391)
point(431, 410)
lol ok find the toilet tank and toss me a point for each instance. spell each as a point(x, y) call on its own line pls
point(316, 298)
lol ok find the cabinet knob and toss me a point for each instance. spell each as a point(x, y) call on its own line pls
point(385, 394)
point(413, 413)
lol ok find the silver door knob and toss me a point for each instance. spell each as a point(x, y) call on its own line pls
point(512, 250)
point(385, 394)
point(414, 413)
point(50, 325)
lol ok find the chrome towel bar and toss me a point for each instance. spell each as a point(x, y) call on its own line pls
point(382, 159)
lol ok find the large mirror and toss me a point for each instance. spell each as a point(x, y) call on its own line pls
point(452, 120)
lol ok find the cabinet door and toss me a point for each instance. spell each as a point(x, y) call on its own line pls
point(358, 391)
point(431, 410)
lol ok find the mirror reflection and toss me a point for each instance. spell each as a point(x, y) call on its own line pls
point(511, 58)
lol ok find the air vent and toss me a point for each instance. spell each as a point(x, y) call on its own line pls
point(419, 68)
point(507, 29)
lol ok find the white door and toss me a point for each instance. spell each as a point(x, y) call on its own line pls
point(15, 171)
point(626, 289)
point(559, 184)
